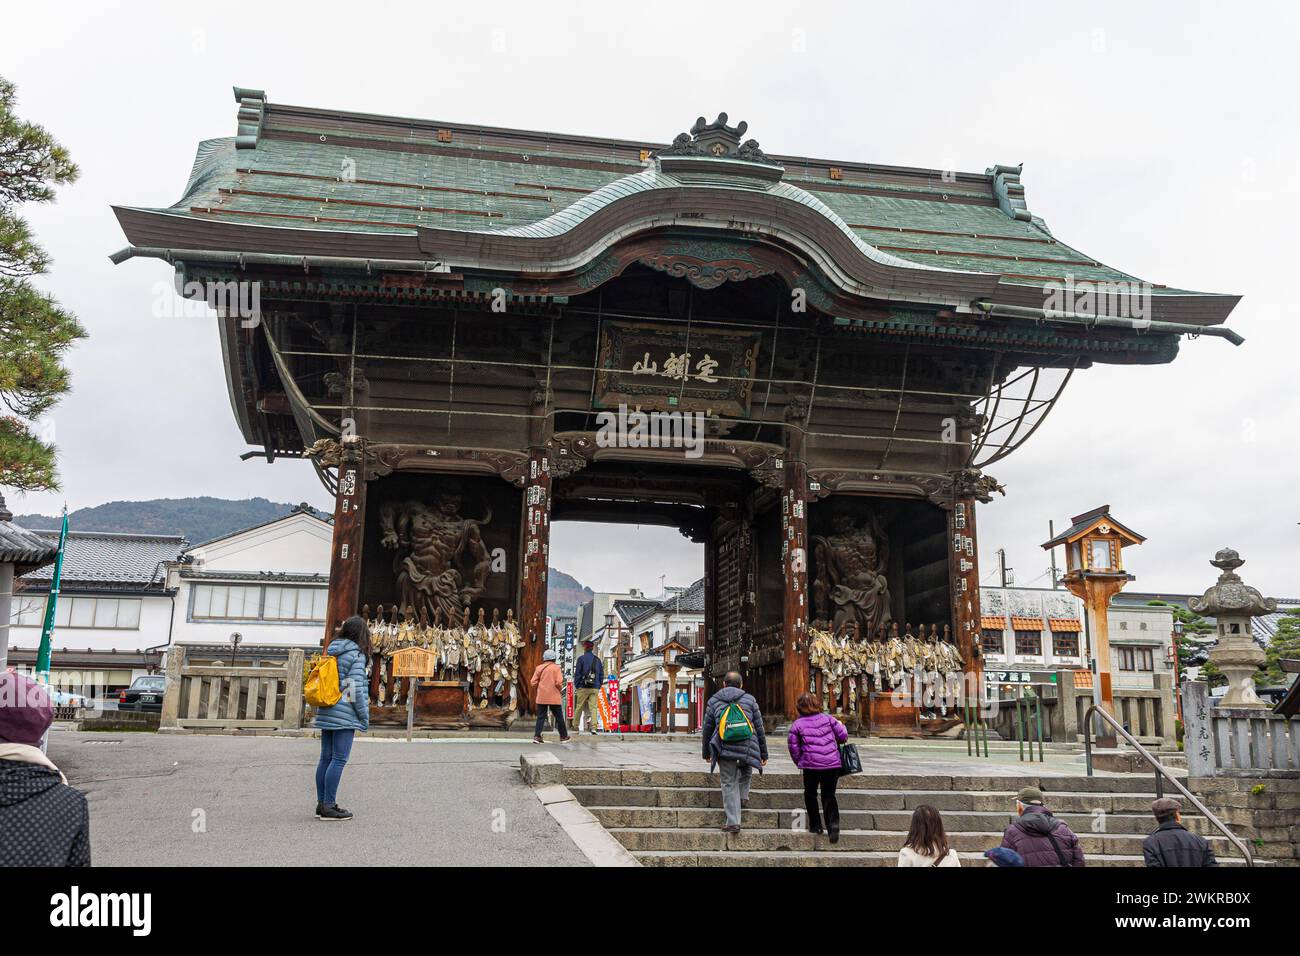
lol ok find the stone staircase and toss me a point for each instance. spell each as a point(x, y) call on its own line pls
point(673, 818)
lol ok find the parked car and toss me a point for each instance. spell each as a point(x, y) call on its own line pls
point(63, 698)
point(145, 693)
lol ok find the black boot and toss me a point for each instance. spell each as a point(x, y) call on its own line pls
point(320, 808)
point(335, 812)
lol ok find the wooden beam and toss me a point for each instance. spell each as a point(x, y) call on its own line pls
point(345, 556)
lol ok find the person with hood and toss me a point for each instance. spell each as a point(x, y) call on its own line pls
point(43, 821)
point(1040, 838)
point(927, 843)
point(814, 743)
point(588, 675)
point(1171, 843)
point(548, 692)
point(736, 757)
point(339, 722)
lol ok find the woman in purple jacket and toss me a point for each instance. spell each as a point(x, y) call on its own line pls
point(815, 740)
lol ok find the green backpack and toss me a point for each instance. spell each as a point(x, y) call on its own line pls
point(734, 724)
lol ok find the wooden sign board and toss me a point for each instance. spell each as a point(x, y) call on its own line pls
point(706, 369)
point(414, 662)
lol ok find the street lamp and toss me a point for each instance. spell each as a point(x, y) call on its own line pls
point(1094, 572)
point(670, 651)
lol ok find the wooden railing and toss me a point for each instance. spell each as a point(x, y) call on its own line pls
point(1236, 741)
point(232, 698)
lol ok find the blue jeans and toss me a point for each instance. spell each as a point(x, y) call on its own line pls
point(335, 747)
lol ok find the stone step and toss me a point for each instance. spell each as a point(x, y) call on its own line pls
point(1139, 824)
point(778, 780)
point(856, 798)
point(879, 841)
point(812, 858)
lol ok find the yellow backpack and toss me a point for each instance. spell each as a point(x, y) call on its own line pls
point(321, 689)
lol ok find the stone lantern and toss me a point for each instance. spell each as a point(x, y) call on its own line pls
point(1232, 603)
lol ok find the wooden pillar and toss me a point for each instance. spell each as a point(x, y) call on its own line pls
point(535, 543)
point(709, 628)
point(349, 526)
point(794, 560)
point(1096, 594)
point(963, 564)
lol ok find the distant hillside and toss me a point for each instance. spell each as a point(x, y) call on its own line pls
point(202, 519)
point(199, 519)
point(564, 594)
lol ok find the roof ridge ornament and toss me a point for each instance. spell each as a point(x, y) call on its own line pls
point(717, 140)
point(252, 110)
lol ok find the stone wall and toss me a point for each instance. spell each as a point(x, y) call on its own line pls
point(1263, 811)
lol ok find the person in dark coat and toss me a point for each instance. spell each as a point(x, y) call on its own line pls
point(1172, 844)
point(588, 675)
point(43, 821)
point(1040, 838)
point(339, 723)
point(736, 759)
point(814, 743)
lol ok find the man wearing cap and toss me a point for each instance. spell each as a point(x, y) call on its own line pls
point(43, 821)
point(1172, 844)
point(588, 674)
point(1040, 838)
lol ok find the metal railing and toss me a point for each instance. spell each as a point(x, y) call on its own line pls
point(1161, 772)
point(976, 729)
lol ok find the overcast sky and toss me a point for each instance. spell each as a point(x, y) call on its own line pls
point(1160, 138)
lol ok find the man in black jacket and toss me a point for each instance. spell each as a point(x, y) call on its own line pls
point(1172, 844)
point(43, 821)
point(588, 675)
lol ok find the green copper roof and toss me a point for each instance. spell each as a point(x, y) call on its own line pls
point(301, 168)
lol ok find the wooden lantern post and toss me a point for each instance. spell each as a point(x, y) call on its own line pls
point(1094, 573)
point(670, 652)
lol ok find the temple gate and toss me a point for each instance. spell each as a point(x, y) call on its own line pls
point(473, 332)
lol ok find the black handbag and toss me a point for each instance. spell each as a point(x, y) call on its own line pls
point(850, 762)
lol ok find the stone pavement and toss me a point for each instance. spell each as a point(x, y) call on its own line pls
point(200, 800)
point(444, 803)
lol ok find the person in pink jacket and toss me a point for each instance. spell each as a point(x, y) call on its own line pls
point(548, 692)
point(814, 743)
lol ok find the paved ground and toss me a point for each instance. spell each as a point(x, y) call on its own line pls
point(447, 803)
point(215, 800)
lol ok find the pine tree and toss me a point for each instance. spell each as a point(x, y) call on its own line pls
point(34, 331)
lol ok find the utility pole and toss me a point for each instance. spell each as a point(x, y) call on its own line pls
point(1051, 533)
point(1002, 566)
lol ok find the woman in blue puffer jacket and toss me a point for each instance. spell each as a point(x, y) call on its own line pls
point(814, 743)
point(339, 723)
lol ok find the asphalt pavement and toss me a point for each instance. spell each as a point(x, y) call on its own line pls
point(208, 800)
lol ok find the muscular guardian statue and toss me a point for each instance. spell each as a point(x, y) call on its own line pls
point(851, 566)
point(440, 561)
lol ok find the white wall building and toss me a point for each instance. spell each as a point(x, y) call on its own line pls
point(268, 583)
point(113, 618)
point(125, 598)
point(1043, 629)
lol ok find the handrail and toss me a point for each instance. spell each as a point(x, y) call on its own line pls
point(1159, 769)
